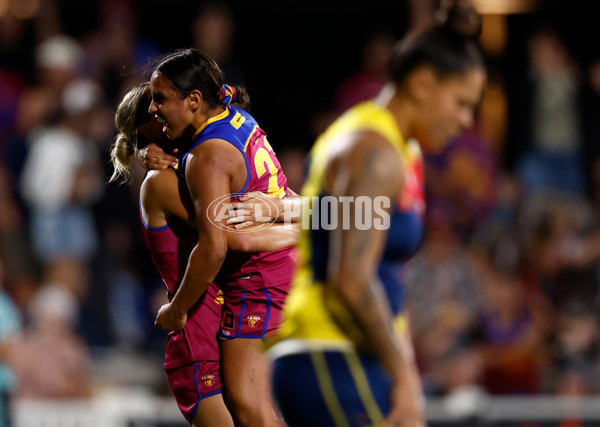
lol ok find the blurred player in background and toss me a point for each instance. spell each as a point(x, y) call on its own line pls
point(344, 356)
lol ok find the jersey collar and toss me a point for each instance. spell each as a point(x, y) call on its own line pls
point(211, 120)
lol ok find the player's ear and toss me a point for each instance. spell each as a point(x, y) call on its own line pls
point(195, 99)
point(421, 83)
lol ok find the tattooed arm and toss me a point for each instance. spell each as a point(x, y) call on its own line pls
point(369, 167)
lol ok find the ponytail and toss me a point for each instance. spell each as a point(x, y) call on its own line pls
point(130, 114)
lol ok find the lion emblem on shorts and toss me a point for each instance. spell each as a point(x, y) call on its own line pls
point(208, 380)
point(253, 321)
point(219, 299)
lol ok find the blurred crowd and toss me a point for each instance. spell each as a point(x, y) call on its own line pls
point(503, 295)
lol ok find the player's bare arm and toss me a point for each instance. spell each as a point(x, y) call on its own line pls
point(210, 171)
point(256, 207)
point(370, 168)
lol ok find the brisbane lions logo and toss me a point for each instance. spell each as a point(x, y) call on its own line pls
point(253, 321)
point(208, 380)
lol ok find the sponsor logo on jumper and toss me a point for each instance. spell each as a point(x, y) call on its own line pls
point(228, 320)
point(220, 299)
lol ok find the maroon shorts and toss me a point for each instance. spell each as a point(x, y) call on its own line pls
point(254, 313)
point(192, 383)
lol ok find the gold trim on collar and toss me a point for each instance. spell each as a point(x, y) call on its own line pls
point(212, 119)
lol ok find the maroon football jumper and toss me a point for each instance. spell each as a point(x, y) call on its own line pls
point(192, 354)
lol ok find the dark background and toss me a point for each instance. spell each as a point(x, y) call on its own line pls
point(293, 54)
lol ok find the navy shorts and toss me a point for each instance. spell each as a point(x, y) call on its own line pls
point(331, 388)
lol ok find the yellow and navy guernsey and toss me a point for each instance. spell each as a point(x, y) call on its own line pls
point(306, 318)
point(318, 375)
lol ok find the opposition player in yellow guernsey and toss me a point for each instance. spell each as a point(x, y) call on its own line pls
point(343, 356)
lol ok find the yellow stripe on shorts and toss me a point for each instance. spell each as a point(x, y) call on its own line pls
point(327, 390)
point(363, 387)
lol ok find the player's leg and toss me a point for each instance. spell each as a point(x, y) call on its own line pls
point(247, 384)
point(211, 411)
point(248, 317)
point(197, 391)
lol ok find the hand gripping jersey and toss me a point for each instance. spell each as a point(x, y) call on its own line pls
point(306, 315)
point(264, 173)
point(169, 247)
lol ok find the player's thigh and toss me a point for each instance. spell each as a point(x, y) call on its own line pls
point(245, 367)
point(192, 384)
point(212, 412)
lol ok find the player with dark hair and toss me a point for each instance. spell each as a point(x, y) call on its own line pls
point(229, 155)
point(192, 353)
point(344, 356)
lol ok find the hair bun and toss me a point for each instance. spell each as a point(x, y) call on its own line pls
point(459, 16)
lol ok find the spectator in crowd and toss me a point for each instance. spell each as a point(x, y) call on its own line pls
point(213, 32)
point(563, 247)
point(372, 74)
point(443, 302)
point(116, 50)
point(556, 132)
point(20, 265)
point(53, 362)
point(514, 324)
point(58, 61)
point(60, 181)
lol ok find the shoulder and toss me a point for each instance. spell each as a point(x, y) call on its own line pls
point(364, 162)
point(380, 161)
point(214, 150)
point(158, 183)
point(164, 195)
point(369, 153)
point(155, 179)
point(214, 165)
